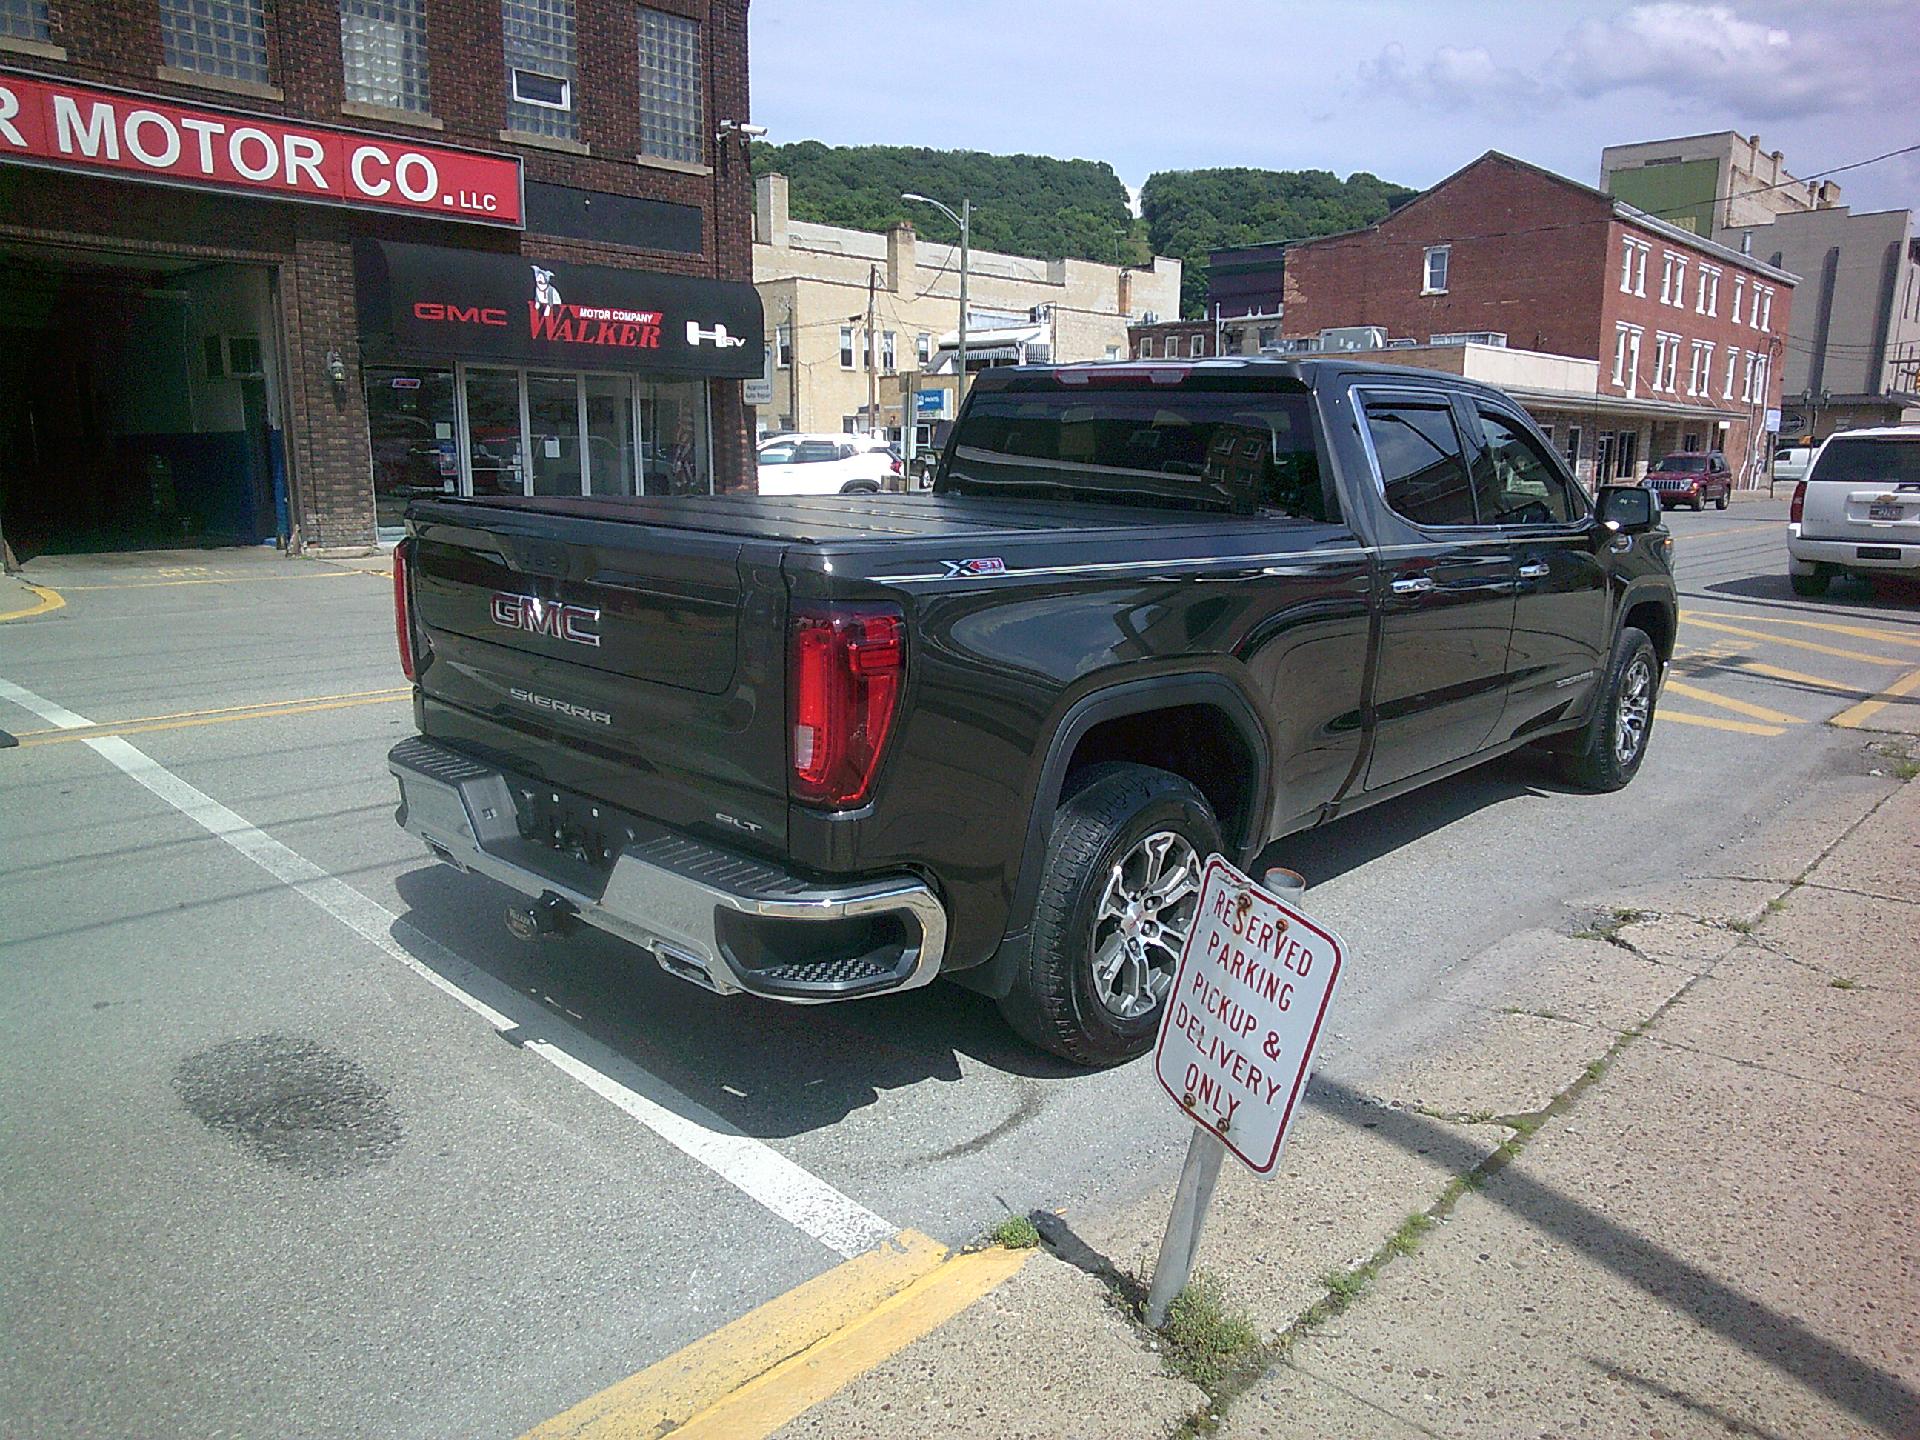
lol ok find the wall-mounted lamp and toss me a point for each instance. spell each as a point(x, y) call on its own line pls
point(336, 368)
point(729, 129)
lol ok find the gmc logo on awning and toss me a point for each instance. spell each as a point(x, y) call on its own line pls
point(575, 623)
point(458, 314)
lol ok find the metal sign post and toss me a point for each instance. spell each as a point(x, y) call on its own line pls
point(1243, 1016)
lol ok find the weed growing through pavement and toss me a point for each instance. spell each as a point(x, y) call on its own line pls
point(1844, 982)
point(1205, 1339)
point(1016, 1232)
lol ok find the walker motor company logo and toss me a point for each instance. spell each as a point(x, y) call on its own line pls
point(83, 128)
point(554, 319)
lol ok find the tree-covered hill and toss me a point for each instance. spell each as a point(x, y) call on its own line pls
point(1023, 204)
point(1189, 212)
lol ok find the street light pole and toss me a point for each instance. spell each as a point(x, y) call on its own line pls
point(965, 221)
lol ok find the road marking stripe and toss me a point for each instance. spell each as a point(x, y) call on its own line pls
point(1774, 672)
point(1739, 707)
point(1689, 619)
point(1714, 722)
point(757, 1170)
point(1746, 529)
point(1858, 632)
point(795, 1386)
point(713, 1367)
point(232, 709)
point(265, 712)
point(218, 580)
point(45, 600)
point(1854, 717)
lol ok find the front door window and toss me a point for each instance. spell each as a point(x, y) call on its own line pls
point(553, 424)
point(495, 453)
point(611, 451)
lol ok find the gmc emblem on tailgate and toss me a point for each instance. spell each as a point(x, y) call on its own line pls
point(547, 617)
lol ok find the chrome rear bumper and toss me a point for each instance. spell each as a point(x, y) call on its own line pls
point(728, 922)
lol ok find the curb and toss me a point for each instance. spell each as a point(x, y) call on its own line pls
point(46, 600)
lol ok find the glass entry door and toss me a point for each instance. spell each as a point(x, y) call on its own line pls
point(611, 451)
point(553, 424)
point(495, 428)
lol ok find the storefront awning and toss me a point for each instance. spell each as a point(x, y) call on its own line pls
point(426, 302)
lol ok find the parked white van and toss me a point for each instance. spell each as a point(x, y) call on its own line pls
point(1858, 510)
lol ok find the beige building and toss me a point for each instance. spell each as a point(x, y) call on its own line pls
point(1707, 183)
point(818, 282)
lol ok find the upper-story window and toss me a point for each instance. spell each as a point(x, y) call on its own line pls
point(538, 39)
point(1739, 297)
point(1439, 259)
point(923, 348)
point(383, 51)
point(783, 346)
point(24, 20)
point(1707, 302)
point(1762, 307)
point(1673, 278)
point(1633, 266)
point(846, 347)
point(889, 352)
point(224, 38)
point(1199, 346)
point(672, 108)
point(1146, 347)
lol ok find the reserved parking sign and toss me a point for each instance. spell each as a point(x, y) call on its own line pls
point(1245, 1013)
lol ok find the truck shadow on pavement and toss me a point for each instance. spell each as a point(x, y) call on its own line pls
point(770, 1069)
point(1873, 1395)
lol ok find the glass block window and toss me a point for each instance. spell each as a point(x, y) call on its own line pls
point(383, 49)
point(24, 19)
point(672, 115)
point(538, 35)
point(227, 38)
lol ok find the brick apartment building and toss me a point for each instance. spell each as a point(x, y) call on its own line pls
point(269, 268)
point(1688, 334)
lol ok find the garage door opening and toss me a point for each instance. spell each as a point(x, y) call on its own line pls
point(138, 403)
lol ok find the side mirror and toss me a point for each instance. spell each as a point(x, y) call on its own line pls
point(1627, 509)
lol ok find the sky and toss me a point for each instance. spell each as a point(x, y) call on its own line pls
point(1408, 89)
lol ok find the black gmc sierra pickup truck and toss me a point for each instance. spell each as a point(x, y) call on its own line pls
point(815, 749)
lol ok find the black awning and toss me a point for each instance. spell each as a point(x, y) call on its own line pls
point(428, 301)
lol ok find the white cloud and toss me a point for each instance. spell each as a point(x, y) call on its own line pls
point(1456, 78)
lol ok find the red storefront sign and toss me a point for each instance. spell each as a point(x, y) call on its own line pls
point(83, 128)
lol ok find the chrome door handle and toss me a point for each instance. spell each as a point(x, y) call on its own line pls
point(1418, 585)
point(1537, 570)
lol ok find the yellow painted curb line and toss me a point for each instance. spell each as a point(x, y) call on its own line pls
point(1714, 722)
point(49, 600)
point(1856, 716)
point(1772, 639)
point(708, 1371)
point(1858, 632)
point(794, 1387)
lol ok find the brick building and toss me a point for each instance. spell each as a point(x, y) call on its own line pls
point(268, 268)
point(1688, 333)
point(1173, 339)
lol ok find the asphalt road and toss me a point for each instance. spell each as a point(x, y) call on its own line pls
point(299, 1141)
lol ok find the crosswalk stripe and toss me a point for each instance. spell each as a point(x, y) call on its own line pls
point(1858, 632)
point(1739, 707)
point(1714, 722)
point(1788, 640)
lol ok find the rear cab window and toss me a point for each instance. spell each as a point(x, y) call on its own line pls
point(1421, 462)
point(1247, 449)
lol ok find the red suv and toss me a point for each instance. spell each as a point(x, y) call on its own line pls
point(1692, 479)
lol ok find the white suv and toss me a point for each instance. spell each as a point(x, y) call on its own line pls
point(826, 465)
point(1858, 510)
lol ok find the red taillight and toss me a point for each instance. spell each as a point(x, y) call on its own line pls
point(846, 666)
point(894, 466)
point(403, 612)
point(1799, 503)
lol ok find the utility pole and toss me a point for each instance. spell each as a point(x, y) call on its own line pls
point(873, 356)
point(965, 221)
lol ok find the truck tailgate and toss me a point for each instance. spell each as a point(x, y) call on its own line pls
point(641, 665)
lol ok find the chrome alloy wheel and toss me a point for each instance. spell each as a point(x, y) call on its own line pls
point(1145, 912)
point(1635, 710)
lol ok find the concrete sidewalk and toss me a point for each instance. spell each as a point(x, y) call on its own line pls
point(1663, 1182)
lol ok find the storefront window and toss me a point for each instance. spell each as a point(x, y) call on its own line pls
point(673, 437)
point(610, 447)
point(553, 418)
point(493, 432)
point(410, 422)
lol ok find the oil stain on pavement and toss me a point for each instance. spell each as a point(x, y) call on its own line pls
point(293, 1103)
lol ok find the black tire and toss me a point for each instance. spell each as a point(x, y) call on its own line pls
point(1699, 505)
point(1720, 501)
point(1056, 1001)
point(1594, 761)
point(859, 487)
point(1813, 586)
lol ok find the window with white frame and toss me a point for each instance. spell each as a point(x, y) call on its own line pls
point(227, 38)
point(383, 53)
point(1739, 295)
point(1666, 368)
point(1700, 372)
point(1667, 259)
point(1680, 282)
point(1626, 355)
point(1146, 347)
point(1766, 309)
point(1197, 346)
point(25, 20)
point(1708, 300)
point(1633, 266)
point(783, 346)
point(1733, 365)
point(1753, 319)
point(1641, 252)
point(846, 347)
point(1746, 380)
point(889, 352)
point(1572, 452)
point(923, 349)
point(672, 107)
point(538, 38)
point(1434, 267)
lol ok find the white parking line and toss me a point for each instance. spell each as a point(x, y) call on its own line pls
point(758, 1171)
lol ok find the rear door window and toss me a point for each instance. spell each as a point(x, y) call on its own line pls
point(812, 452)
point(777, 455)
point(1423, 469)
point(1880, 461)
